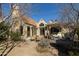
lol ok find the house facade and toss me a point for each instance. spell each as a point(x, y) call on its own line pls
point(26, 25)
point(30, 29)
point(41, 27)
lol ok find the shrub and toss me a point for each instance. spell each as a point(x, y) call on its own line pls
point(15, 36)
point(4, 30)
point(73, 53)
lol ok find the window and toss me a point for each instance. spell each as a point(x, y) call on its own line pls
point(54, 30)
point(41, 24)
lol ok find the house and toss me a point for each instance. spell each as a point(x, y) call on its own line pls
point(26, 25)
point(57, 29)
point(30, 29)
point(16, 21)
point(41, 27)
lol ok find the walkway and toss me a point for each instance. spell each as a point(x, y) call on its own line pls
point(27, 49)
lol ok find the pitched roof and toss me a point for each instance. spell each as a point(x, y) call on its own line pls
point(26, 20)
point(42, 21)
point(29, 21)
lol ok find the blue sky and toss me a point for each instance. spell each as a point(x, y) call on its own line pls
point(6, 9)
point(46, 11)
point(40, 10)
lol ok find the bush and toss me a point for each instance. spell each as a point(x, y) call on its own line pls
point(73, 53)
point(15, 36)
point(4, 30)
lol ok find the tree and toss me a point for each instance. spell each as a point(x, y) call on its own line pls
point(7, 45)
point(6, 33)
point(25, 9)
point(70, 14)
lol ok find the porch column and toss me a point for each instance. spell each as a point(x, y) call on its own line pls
point(25, 32)
point(38, 31)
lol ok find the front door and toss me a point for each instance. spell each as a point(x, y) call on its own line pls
point(42, 31)
point(28, 31)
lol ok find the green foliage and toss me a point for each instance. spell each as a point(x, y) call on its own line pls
point(15, 36)
point(4, 30)
point(74, 53)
